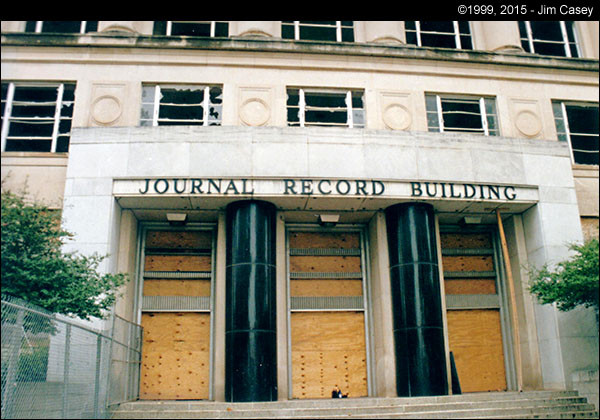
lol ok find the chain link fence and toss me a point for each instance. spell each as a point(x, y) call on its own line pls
point(54, 368)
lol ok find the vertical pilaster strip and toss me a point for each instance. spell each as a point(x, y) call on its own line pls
point(250, 331)
point(416, 302)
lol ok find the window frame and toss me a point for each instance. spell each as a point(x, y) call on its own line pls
point(559, 108)
point(302, 107)
point(206, 104)
point(457, 34)
point(213, 26)
point(565, 42)
point(57, 118)
point(484, 116)
point(39, 26)
point(296, 24)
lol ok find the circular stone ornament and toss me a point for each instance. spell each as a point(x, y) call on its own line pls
point(106, 109)
point(528, 123)
point(397, 117)
point(255, 112)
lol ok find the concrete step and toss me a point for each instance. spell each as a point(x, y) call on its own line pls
point(540, 404)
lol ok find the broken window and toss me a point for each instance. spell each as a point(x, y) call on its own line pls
point(192, 28)
point(61, 26)
point(332, 108)
point(37, 117)
point(577, 124)
point(181, 105)
point(465, 114)
point(442, 34)
point(334, 30)
point(549, 38)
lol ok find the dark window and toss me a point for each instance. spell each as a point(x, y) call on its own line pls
point(335, 108)
point(61, 26)
point(441, 34)
point(577, 123)
point(549, 38)
point(465, 114)
point(334, 30)
point(191, 28)
point(181, 105)
point(36, 118)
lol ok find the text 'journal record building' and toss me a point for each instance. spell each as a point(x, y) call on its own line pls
point(301, 205)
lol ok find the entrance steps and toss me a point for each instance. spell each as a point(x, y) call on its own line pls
point(518, 405)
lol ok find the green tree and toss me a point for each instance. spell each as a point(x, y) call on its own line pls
point(573, 282)
point(36, 269)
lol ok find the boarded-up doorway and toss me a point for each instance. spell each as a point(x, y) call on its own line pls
point(176, 315)
point(474, 309)
point(327, 318)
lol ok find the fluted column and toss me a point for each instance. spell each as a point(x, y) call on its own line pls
point(416, 301)
point(250, 331)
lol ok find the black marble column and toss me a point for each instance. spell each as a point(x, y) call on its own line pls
point(250, 331)
point(416, 301)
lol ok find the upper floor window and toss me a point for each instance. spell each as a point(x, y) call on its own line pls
point(443, 34)
point(549, 38)
point(577, 124)
point(181, 105)
point(61, 26)
point(334, 30)
point(192, 28)
point(324, 107)
point(37, 117)
point(467, 114)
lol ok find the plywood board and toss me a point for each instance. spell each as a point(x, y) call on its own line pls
point(179, 239)
point(328, 349)
point(327, 287)
point(324, 240)
point(470, 286)
point(172, 287)
point(175, 356)
point(324, 264)
point(462, 240)
point(177, 263)
point(475, 340)
point(468, 263)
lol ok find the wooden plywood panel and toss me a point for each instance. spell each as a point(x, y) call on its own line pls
point(465, 240)
point(171, 287)
point(175, 356)
point(177, 263)
point(328, 349)
point(475, 339)
point(179, 239)
point(324, 240)
point(470, 286)
point(326, 287)
point(468, 263)
point(324, 264)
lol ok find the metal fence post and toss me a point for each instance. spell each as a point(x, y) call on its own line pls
point(97, 380)
point(10, 385)
point(65, 403)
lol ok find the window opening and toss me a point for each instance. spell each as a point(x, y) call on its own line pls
point(181, 105)
point(334, 30)
point(328, 317)
point(549, 38)
point(475, 115)
point(61, 26)
point(307, 107)
point(442, 34)
point(577, 124)
point(209, 29)
point(37, 117)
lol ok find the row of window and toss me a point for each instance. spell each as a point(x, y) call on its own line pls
point(541, 37)
point(38, 117)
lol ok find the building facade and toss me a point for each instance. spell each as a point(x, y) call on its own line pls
point(303, 205)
